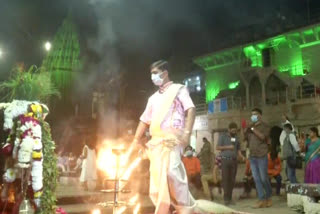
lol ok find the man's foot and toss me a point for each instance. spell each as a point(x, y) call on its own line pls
point(259, 204)
point(268, 202)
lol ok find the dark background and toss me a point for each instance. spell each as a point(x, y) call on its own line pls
point(125, 36)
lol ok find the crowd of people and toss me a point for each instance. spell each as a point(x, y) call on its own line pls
point(169, 116)
point(268, 153)
point(84, 166)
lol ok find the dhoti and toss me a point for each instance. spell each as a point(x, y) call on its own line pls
point(168, 179)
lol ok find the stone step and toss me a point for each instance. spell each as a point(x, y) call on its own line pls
point(74, 200)
point(89, 208)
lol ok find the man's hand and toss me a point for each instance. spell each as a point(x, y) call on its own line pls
point(138, 146)
point(242, 158)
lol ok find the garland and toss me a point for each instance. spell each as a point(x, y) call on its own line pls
point(50, 171)
point(30, 143)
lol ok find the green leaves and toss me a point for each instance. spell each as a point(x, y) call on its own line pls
point(33, 84)
point(50, 172)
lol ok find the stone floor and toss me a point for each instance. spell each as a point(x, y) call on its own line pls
point(75, 200)
point(279, 202)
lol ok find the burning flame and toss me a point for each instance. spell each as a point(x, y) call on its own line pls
point(107, 160)
point(96, 211)
point(134, 199)
point(129, 170)
point(121, 210)
point(137, 209)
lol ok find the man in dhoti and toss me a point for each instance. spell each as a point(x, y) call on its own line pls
point(169, 115)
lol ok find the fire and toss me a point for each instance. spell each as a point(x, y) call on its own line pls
point(134, 199)
point(107, 160)
point(121, 210)
point(132, 166)
point(137, 209)
point(96, 211)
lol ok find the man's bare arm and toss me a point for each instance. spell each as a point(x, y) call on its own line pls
point(142, 127)
point(191, 115)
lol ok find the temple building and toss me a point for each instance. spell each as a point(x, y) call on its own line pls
point(280, 75)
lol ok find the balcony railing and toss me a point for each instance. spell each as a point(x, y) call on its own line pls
point(239, 103)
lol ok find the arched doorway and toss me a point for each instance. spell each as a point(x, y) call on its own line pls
point(275, 90)
point(255, 92)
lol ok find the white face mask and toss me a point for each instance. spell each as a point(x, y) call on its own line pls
point(254, 118)
point(156, 79)
point(188, 153)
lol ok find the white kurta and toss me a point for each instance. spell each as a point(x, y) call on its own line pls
point(168, 178)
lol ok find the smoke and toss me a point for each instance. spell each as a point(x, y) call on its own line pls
point(134, 33)
point(127, 28)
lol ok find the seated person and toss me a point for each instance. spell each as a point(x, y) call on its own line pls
point(274, 169)
point(62, 162)
point(217, 172)
point(206, 161)
point(192, 165)
point(248, 181)
point(78, 166)
point(72, 162)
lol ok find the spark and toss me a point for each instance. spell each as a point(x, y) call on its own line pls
point(134, 199)
point(132, 166)
point(137, 209)
point(121, 210)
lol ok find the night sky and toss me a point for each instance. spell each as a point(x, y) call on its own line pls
point(130, 34)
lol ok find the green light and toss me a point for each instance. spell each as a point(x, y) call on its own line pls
point(310, 44)
point(308, 32)
point(233, 85)
point(254, 55)
point(279, 39)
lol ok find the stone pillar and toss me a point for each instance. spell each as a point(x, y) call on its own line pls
point(263, 77)
point(247, 96)
point(263, 92)
point(246, 82)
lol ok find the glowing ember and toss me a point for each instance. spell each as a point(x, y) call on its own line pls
point(107, 160)
point(137, 209)
point(134, 199)
point(96, 211)
point(132, 166)
point(121, 210)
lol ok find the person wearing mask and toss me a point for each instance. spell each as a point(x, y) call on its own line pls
point(206, 161)
point(229, 146)
point(274, 168)
point(312, 157)
point(285, 120)
point(169, 115)
point(290, 148)
point(257, 134)
point(192, 165)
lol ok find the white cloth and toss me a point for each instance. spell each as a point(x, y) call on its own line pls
point(294, 142)
point(283, 133)
point(175, 175)
point(89, 167)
